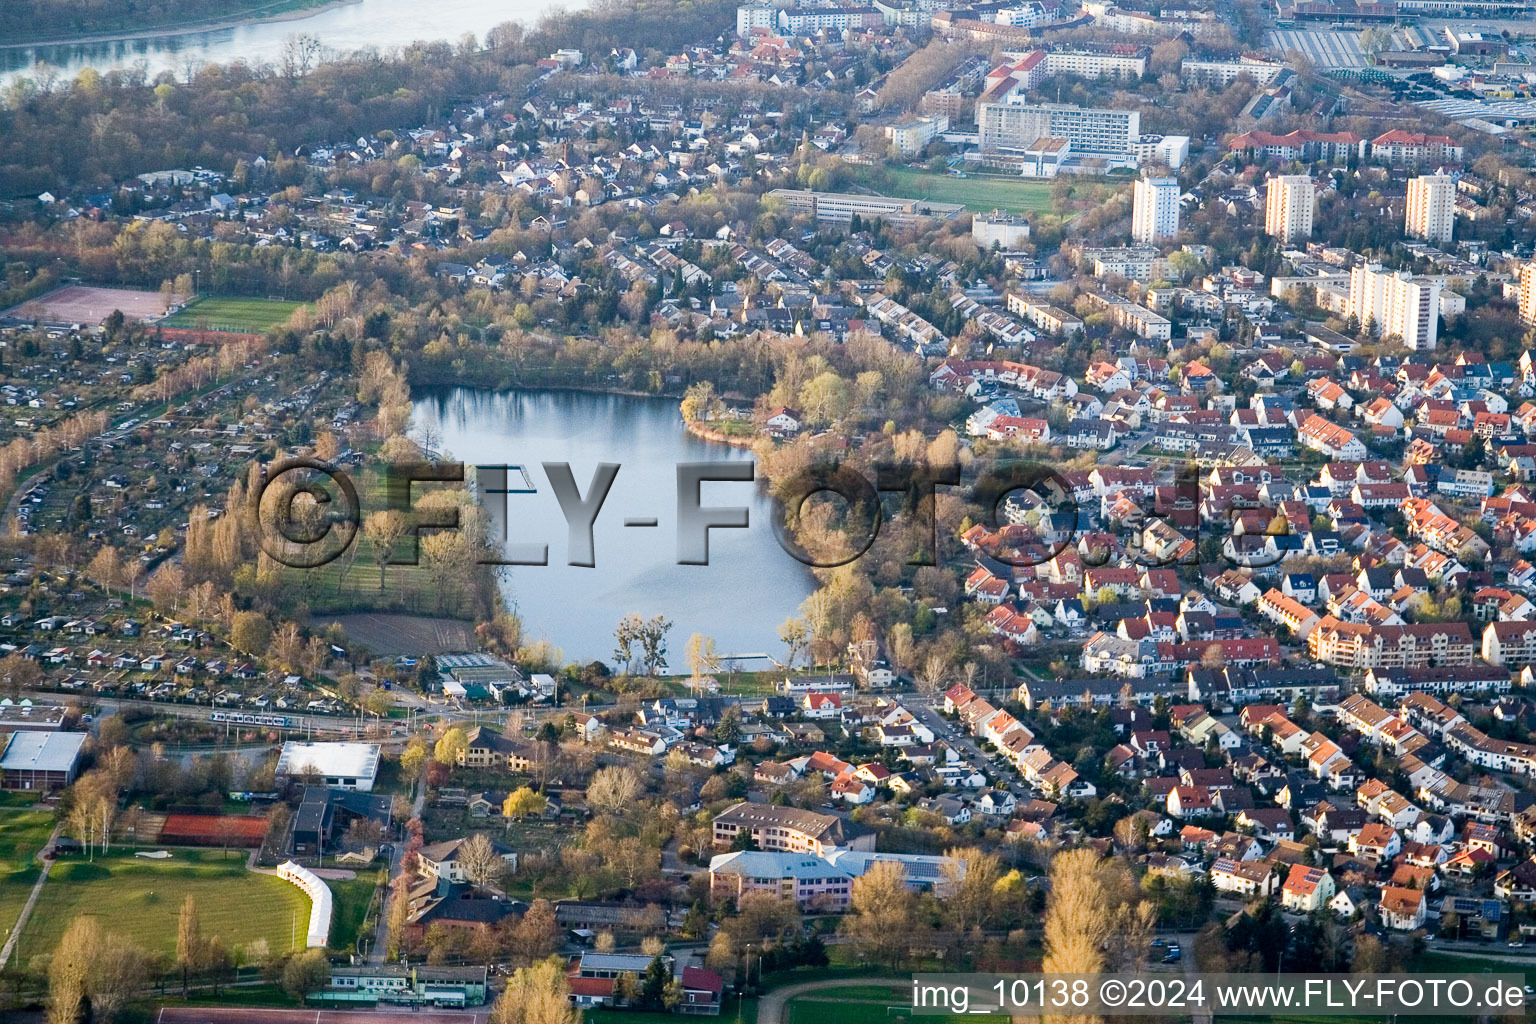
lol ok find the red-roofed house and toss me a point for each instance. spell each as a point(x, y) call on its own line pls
point(1306, 889)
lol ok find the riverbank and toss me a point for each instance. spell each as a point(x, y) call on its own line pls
point(275, 11)
point(426, 378)
point(705, 433)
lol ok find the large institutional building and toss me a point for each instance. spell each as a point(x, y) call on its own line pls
point(342, 765)
point(1092, 131)
point(842, 207)
point(789, 830)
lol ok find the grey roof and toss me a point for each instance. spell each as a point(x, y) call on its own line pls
point(341, 760)
point(759, 864)
point(42, 751)
point(750, 815)
point(615, 961)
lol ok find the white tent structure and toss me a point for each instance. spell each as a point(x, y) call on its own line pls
point(319, 900)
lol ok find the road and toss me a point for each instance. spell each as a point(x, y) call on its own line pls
point(1482, 951)
point(381, 926)
point(1201, 1014)
point(426, 710)
point(970, 751)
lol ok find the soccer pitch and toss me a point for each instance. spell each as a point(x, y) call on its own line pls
point(252, 316)
point(141, 900)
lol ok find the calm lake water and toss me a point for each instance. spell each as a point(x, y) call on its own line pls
point(380, 24)
point(750, 586)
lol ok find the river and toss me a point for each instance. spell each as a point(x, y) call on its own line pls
point(379, 24)
point(750, 586)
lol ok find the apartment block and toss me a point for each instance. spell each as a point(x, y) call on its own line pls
point(1395, 304)
point(1155, 209)
point(1288, 207)
point(1432, 208)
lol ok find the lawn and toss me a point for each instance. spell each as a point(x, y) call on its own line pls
point(1445, 961)
point(350, 907)
point(736, 684)
point(830, 1006)
point(350, 582)
point(1432, 962)
point(979, 193)
point(233, 314)
point(18, 798)
point(141, 899)
point(22, 835)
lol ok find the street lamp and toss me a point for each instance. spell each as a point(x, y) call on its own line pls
point(741, 990)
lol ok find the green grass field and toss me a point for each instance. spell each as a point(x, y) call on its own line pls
point(979, 194)
point(18, 798)
point(350, 907)
point(840, 1006)
point(350, 583)
point(22, 835)
point(141, 899)
point(233, 314)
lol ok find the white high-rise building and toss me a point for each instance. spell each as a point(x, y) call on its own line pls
point(1528, 294)
point(1432, 208)
point(1389, 303)
point(751, 16)
point(1288, 207)
point(1155, 211)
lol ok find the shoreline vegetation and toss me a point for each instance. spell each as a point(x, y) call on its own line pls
point(704, 433)
point(698, 427)
point(260, 13)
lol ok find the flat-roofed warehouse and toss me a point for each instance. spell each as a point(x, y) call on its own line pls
point(40, 760)
point(344, 765)
point(29, 716)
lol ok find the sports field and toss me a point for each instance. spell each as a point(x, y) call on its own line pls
point(233, 314)
point(82, 304)
point(141, 899)
point(979, 194)
point(867, 1004)
point(22, 835)
point(213, 830)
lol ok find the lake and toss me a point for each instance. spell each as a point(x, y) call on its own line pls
point(750, 586)
point(380, 24)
